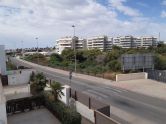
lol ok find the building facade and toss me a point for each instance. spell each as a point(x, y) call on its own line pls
point(105, 43)
point(135, 42)
point(100, 42)
point(2, 60)
point(70, 43)
point(148, 41)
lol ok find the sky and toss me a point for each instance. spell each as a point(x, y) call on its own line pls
point(21, 21)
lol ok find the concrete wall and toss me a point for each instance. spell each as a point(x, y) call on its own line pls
point(131, 76)
point(2, 60)
point(85, 111)
point(3, 116)
point(65, 98)
point(18, 77)
point(103, 119)
point(17, 90)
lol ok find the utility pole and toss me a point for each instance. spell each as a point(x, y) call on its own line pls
point(37, 50)
point(22, 47)
point(74, 44)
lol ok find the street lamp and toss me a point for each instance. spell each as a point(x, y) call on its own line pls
point(74, 44)
point(37, 50)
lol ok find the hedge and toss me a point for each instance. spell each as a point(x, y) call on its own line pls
point(65, 114)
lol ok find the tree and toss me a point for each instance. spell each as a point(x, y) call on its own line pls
point(92, 54)
point(56, 90)
point(114, 65)
point(101, 59)
point(55, 59)
point(38, 84)
point(67, 54)
point(80, 56)
point(160, 62)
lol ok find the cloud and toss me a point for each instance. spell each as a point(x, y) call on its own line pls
point(119, 5)
point(50, 20)
point(164, 2)
point(163, 14)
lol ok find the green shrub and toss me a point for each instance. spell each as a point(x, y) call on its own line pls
point(65, 114)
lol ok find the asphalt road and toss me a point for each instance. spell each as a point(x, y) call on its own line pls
point(137, 108)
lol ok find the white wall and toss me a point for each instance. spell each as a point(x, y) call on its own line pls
point(85, 111)
point(17, 78)
point(131, 76)
point(65, 98)
point(3, 116)
point(17, 90)
point(2, 60)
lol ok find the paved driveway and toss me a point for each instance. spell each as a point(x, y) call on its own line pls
point(40, 116)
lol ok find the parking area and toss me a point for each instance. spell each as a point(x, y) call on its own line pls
point(144, 86)
point(40, 116)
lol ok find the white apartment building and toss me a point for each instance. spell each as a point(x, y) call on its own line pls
point(148, 41)
point(100, 42)
point(70, 43)
point(105, 43)
point(134, 42)
point(109, 43)
point(126, 41)
point(116, 41)
point(137, 42)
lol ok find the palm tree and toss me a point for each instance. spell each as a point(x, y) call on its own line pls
point(39, 83)
point(56, 90)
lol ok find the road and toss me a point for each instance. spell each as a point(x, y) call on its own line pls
point(127, 107)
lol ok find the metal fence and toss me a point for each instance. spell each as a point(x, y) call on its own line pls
point(159, 75)
point(24, 104)
point(101, 110)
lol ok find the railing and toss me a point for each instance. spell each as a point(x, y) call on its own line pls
point(24, 104)
point(159, 75)
point(101, 110)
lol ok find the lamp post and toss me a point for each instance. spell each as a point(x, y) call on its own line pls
point(37, 50)
point(74, 44)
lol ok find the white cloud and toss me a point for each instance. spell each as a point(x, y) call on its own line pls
point(163, 14)
point(52, 19)
point(164, 2)
point(119, 5)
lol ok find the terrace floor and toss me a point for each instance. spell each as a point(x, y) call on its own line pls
point(39, 116)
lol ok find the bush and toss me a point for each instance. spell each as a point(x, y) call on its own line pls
point(65, 114)
point(114, 65)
